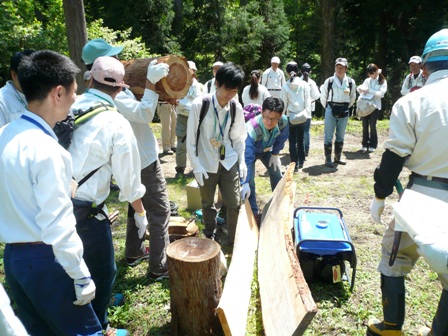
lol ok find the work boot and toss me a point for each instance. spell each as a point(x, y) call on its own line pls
point(440, 322)
point(337, 153)
point(179, 172)
point(328, 162)
point(393, 300)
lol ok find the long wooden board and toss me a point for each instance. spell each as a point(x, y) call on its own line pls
point(287, 304)
point(234, 303)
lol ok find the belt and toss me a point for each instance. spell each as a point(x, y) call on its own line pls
point(274, 89)
point(429, 181)
point(29, 243)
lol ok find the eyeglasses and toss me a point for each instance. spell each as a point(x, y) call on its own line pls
point(273, 120)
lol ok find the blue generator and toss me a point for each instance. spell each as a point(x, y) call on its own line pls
point(323, 244)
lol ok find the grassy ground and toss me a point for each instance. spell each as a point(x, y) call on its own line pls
point(147, 307)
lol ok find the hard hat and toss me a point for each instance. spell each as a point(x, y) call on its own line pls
point(436, 49)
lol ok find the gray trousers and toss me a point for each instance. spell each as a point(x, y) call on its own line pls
point(229, 184)
point(181, 131)
point(158, 211)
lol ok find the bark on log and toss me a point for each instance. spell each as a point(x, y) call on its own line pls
point(174, 86)
point(195, 286)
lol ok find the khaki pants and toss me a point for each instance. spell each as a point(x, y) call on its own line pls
point(167, 115)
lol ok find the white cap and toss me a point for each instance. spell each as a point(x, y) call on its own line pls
point(415, 59)
point(192, 65)
point(109, 71)
point(275, 59)
point(218, 64)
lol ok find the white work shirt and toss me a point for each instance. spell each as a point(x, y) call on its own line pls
point(378, 90)
point(107, 141)
point(314, 92)
point(419, 127)
point(410, 82)
point(340, 91)
point(35, 175)
point(140, 114)
point(263, 93)
point(234, 138)
point(10, 325)
point(12, 103)
point(184, 104)
point(273, 79)
point(297, 98)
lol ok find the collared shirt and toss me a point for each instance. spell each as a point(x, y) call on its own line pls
point(410, 82)
point(263, 93)
point(419, 127)
point(272, 141)
point(140, 114)
point(314, 92)
point(378, 90)
point(273, 79)
point(12, 103)
point(339, 92)
point(234, 138)
point(184, 104)
point(297, 98)
point(107, 141)
point(35, 175)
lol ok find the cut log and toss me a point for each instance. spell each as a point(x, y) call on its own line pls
point(195, 286)
point(180, 227)
point(234, 303)
point(286, 301)
point(174, 86)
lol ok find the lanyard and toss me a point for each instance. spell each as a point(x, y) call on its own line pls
point(36, 123)
point(217, 117)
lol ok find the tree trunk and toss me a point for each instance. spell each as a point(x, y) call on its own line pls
point(178, 17)
point(195, 286)
point(327, 60)
point(75, 23)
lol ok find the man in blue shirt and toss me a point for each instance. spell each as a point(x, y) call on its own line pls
point(266, 136)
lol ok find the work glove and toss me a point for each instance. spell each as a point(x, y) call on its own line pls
point(275, 161)
point(435, 253)
point(376, 209)
point(243, 171)
point(141, 222)
point(245, 191)
point(157, 71)
point(200, 175)
point(85, 291)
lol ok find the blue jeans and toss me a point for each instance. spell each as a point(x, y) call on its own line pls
point(296, 144)
point(44, 293)
point(331, 124)
point(274, 176)
point(99, 257)
point(306, 136)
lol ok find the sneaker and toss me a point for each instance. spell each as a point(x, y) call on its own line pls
point(137, 260)
point(364, 149)
point(174, 149)
point(116, 300)
point(371, 149)
point(158, 276)
point(168, 152)
point(116, 332)
point(377, 328)
point(424, 331)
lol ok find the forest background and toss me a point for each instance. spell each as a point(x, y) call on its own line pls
point(246, 32)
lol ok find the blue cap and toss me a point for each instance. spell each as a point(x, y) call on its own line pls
point(96, 48)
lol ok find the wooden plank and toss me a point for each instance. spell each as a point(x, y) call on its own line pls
point(234, 303)
point(287, 304)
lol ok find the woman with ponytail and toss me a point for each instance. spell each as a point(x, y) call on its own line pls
point(255, 93)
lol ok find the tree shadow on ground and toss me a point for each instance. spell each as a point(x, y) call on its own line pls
point(357, 155)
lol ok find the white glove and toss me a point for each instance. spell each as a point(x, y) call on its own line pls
point(141, 222)
point(275, 161)
point(200, 174)
point(243, 171)
point(157, 71)
point(376, 209)
point(245, 191)
point(85, 291)
point(435, 253)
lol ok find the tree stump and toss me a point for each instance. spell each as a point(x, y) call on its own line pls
point(195, 286)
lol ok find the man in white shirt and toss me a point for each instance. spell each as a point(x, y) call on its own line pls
point(43, 259)
point(216, 148)
point(12, 100)
point(210, 85)
point(156, 202)
point(104, 141)
point(273, 78)
point(416, 79)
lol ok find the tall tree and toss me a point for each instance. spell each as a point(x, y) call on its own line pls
point(75, 23)
point(327, 52)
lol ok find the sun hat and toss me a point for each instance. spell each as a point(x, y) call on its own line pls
point(109, 71)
